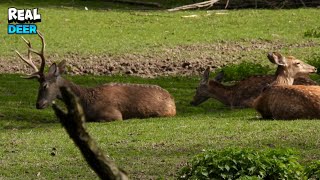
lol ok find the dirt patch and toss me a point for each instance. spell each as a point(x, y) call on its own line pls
point(180, 60)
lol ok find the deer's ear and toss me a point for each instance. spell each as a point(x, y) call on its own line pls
point(205, 76)
point(277, 58)
point(53, 70)
point(62, 66)
point(219, 77)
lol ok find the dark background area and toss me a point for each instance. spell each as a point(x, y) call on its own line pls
point(164, 4)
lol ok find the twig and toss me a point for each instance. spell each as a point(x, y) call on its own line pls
point(207, 4)
point(303, 3)
point(227, 4)
point(138, 3)
point(74, 123)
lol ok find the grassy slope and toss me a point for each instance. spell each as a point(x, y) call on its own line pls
point(145, 148)
point(72, 29)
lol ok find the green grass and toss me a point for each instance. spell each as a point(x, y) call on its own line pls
point(70, 29)
point(149, 148)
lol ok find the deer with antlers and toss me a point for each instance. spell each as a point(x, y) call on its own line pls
point(282, 100)
point(107, 102)
point(240, 95)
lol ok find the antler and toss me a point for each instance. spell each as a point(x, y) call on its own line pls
point(37, 73)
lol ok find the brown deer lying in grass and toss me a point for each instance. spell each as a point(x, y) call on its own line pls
point(107, 102)
point(240, 95)
point(282, 100)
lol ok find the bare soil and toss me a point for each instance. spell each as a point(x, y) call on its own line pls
point(179, 60)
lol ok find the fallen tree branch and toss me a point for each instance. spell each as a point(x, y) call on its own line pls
point(227, 4)
point(207, 4)
point(74, 123)
point(141, 3)
point(304, 5)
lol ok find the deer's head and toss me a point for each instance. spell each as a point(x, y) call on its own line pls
point(202, 91)
point(290, 66)
point(50, 82)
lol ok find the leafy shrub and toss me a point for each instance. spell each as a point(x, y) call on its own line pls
point(315, 32)
point(236, 72)
point(312, 171)
point(314, 60)
point(246, 164)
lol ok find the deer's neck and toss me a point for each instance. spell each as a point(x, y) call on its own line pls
point(283, 77)
point(220, 92)
point(76, 89)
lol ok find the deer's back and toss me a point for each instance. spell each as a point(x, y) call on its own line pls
point(132, 100)
point(247, 90)
point(289, 102)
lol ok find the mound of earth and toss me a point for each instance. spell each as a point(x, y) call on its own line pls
point(181, 60)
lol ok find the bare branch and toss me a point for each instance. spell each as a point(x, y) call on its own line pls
point(302, 2)
point(207, 4)
point(74, 123)
point(153, 4)
point(227, 4)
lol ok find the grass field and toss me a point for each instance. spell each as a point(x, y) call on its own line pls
point(33, 145)
point(150, 148)
point(70, 29)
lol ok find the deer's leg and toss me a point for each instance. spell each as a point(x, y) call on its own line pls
point(247, 104)
point(111, 115)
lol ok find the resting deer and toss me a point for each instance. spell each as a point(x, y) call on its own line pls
point(282, 100)
point(107, 102)
point(240, 95)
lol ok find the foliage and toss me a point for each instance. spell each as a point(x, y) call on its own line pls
point(234, 72)
point(314, 32)
point(244, 164)
point(314, 60)
point(312, 170)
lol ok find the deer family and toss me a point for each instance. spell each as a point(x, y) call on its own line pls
point(282, 100)
point(107, 102)
point(240, 95)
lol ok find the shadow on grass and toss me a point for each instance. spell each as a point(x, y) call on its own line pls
point(26, 118)
point(98, 4)
point(18, 97)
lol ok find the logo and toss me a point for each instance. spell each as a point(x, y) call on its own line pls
point(24, 20)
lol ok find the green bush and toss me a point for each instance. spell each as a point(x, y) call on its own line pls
point(312, 171)
point(236, 72)
point(314, 60)
point(246, 164)
point(315, 32)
